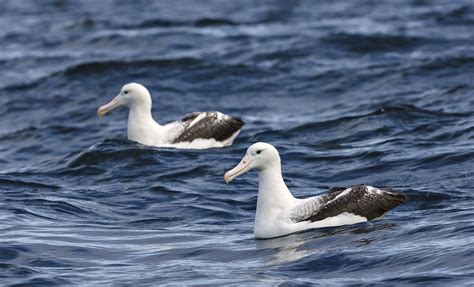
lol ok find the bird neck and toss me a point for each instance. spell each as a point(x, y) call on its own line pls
point(273, 194)
point(142, 127)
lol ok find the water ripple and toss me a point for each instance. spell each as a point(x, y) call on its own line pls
point(350, 92)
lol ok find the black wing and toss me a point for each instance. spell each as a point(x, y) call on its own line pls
point(305, 210)
point(360, 200)
point(207, 125)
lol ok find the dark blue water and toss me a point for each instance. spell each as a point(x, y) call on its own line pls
point(375, 92)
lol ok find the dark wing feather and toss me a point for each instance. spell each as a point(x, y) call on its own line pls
point(190, 116)
point(305, 210)
point(212, 125)
point(360, 201)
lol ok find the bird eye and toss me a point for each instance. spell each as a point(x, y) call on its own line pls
point(259, 151)
point(126, 92)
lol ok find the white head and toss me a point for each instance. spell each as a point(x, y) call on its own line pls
point(259, 156)
point(131, 95)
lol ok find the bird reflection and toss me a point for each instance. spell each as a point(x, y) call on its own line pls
point(296, 246)
point(287, 248)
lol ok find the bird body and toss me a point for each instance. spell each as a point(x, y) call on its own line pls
point(196, 130)
point(280, 213)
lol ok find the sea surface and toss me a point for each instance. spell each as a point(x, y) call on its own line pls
point(374, 92)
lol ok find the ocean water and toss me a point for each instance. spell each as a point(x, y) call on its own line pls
point(374, 92)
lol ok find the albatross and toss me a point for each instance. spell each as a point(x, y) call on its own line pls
point(196, 130)
point(279, 213)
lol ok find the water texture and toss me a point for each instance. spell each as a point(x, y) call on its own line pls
point(374, 92)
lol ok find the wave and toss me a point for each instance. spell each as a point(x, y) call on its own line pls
point(107, 150)
point(401, 112)
point(15, 183)
point(366, 43)
point(441, 159)
point(109, 67)
point(34, 131)
point(344, 100)
point(14, 270)
point(103, 66)
point(50, 209)
point(167, 23)
point(461, 15)
point(444, 62)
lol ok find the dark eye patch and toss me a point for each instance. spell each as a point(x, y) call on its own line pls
point(259, 151)
point(126, 92)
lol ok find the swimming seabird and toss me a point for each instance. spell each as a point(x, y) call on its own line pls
point(196, 130)
point(279, 213)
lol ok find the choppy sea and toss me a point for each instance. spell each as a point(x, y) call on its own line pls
point(374, 92)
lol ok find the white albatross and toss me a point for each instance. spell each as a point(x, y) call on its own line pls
point(196, 130)
point(279, 213)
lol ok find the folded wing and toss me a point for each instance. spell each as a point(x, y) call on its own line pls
point(208, 125)
point(361, 200)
